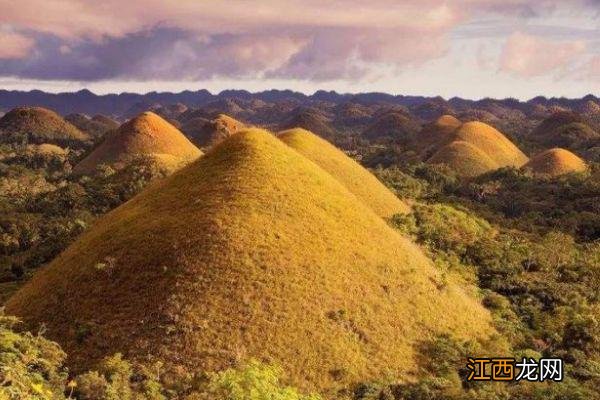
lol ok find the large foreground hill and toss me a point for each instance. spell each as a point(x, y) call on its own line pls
point(252, 251)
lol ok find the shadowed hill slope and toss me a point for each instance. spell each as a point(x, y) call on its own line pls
point(281, 264)
point(393, 124)
point(96, 127)
point(40, 125)
point(347, 171)
point(311, 120)
point(146, 135)
point(206, 133)
point(555, 162)
point(435, 133)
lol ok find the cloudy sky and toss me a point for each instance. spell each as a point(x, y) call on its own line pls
point(468, 48)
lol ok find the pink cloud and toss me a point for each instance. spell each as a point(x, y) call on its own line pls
point(14, 45)
point(529, 56)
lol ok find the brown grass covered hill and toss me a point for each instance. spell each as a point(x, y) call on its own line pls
point(96, 127)
point(464, 159)
point(394, 124)
point(565, 129)
point(252, 251)
point(39, 125)
point(434, 133)
point(485, 144)
point(348, 172)
point(205, 133)
point(311, 120)
point(555, 162)
point(145, 136)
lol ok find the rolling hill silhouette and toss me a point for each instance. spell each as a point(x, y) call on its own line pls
point(252, 251)
point(146, 135)
point(555, 162)
point(347, 171)
point(40, 125)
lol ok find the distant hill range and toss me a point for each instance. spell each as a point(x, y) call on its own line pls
point(126, 105)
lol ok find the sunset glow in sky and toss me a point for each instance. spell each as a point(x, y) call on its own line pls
point(468, 48)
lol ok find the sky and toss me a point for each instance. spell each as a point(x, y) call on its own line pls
point(467, 48)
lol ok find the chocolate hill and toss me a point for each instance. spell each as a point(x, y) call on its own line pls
point(487, 149)
point(40, 125)
point(96, 126)
point(436, 132)
point(311, 120)
point(146, 135)
point(392, 124)
point(565, 129)
point(205, 133)
point(348, 172)
point(555, 162)
point(464, 159)
point(252, 251)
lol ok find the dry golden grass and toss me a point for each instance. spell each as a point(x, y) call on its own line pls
point(555, 162)
point(464, 158)
point(46, 149)
point(252, 251)
point(145, 135)
point(475, 148)
point(41, 126)
point(493, 143)
point(348, 172)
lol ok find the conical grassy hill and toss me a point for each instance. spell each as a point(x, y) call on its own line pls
point(347, 171)
point(555, 162)
point(464, 158)
point(493, 143)
point(39, 125)
point(434, 133)
point(208, 133)
point(252, 251)
point(145, 136)
point(488, 150)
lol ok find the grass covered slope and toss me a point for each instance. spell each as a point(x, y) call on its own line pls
point(436, 132)
point(493, 143)
point(348, 172)
point(252, 251)
point(464, 158)
point(475, 148)
point(39, 125)
point(146, 135)
point(555, 162)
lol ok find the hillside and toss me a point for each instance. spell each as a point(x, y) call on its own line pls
point(555, 162)
point(96, 127)
point(146, 135)
point(39, 125)
point(347, 171)
point(281, 263)
point(207, 133)
point(436, 132)
point(464, 159)
point(393, 124)
point(311, 120)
